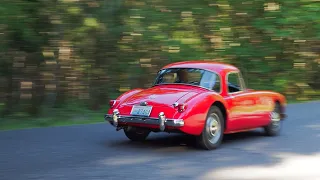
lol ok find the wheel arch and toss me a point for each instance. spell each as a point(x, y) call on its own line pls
point(223, 109)
point(195, 117)
point(282, 107)
point(281, 99)
point(122, 97)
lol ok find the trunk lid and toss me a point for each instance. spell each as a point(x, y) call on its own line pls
point(158, 96)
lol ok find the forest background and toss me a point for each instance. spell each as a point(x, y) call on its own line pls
point(63, 60)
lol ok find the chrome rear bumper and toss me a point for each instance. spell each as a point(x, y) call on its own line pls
point(162, 121)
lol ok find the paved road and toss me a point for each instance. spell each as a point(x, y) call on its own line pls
point(90, 152)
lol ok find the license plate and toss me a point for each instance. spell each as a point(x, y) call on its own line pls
point(141, 110)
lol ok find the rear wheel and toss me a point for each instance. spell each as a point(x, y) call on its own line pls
point(136, 134)
point(212, 134)
point(273, 129)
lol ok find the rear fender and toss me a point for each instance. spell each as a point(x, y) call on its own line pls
point(196, 112)
point(123, 97)
point(273, 97)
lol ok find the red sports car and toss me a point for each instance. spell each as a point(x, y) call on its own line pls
point(201, 98)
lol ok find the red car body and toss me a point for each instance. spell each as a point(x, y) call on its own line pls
point(186, 106)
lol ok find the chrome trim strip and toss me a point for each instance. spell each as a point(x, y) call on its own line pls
point(145, 120)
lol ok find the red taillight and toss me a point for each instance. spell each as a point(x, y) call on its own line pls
point(182, 107)
point(112, 103)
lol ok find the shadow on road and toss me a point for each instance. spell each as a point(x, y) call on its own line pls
point(162, 140)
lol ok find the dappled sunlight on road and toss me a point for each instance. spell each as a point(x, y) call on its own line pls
point(292, 167)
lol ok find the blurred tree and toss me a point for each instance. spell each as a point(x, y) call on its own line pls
point(62, 53)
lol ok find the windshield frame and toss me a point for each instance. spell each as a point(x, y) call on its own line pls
point(186, 84)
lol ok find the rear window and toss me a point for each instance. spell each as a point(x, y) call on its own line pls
point(190, 76)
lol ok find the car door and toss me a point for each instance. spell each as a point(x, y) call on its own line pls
point(242, 104)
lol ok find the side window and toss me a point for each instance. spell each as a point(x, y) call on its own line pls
point(234, 83)
point(211, 81)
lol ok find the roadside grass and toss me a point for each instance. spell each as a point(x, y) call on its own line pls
point(301, 101)
point(70, 115)
point(29, 122)
point(67, 116)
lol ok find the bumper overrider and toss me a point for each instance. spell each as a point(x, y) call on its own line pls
point(162, 121)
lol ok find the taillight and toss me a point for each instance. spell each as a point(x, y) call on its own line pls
point(112, 103)
point(181, 107)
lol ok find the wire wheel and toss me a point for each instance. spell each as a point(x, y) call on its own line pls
point(274, 127)
point(212, 133)
point(213, 128)
point(275, 120)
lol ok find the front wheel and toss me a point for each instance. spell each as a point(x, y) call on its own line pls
point(273, 129)
point(136, 134)
point(212, 134)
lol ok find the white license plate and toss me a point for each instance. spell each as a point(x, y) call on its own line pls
point(141, 110)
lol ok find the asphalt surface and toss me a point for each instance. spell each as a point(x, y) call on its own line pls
point(90, 152)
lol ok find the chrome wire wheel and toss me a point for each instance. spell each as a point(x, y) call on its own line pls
point(274, 127)
point(213, 128)
point(275, 120)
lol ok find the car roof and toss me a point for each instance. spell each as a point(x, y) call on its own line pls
point(201, 64)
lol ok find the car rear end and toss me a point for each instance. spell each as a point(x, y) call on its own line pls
point(146, 116)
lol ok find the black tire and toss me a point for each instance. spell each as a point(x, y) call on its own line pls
point(206, 140)
point(136, 134)
point(273, 129)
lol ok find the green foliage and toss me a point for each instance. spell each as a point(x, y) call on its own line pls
point(91, 51)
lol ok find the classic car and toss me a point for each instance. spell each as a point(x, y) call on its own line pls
point(205, 99)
